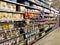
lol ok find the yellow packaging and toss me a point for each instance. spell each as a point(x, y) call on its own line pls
point(11, 25)
point(1, 15)
point(10, 16)
point(5, 26)
point(14, 16)
point(13, 7)
point(3, 5)
point(1, 26)
point(21, 9)
point(9, 6)
point(21, 17)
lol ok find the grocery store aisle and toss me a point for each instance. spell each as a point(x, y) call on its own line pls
point(52, 38)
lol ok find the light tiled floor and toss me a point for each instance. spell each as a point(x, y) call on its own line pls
point(52, 38)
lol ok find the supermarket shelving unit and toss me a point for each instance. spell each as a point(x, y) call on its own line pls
point(40, 26)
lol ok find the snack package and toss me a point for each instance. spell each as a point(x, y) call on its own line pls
point(13, 41)
point(17, 32)
point(5, 26)
point(2, 36)
point(13, 33)
point(11, 25)
point(17, 40)
point(13, 8)
point(21, 17)
point(10, 16)
point(8, 34)
point(22, 43)
point(1, 15)
point(21, 38)
point(1, 28)
point(21, 9)
point(3, 5)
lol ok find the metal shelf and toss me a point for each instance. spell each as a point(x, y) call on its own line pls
point(13, 37)
point(21, 5)
point(38, 4)
point(11, 12)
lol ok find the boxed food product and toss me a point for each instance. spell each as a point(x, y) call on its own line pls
point(2, 36)
point(10, 16)
point(22, 43)
point(17, 40)
point(13, 33)
point(1, 28)
point(11, 7)
point(28, 42)
point(3, 5)
point(11, 25)
point(17, 32)
point(5, 16)
point(1, 15)
point(21, 38)
point(37, 36)
point(8, 34)
point(13, 41)
point(21, 17)
point(5, 26)
point(21, 9)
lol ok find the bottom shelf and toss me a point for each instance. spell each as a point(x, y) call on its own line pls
point(29, 41)
point(44, 35)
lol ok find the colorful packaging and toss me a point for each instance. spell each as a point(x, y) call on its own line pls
point(11, 25)
point(21, 38)
point(5, 26)
point(21, 9)
point(2, 36)
point(8, 34)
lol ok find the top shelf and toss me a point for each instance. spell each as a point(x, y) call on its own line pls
point(29, 6)
point(21, 5)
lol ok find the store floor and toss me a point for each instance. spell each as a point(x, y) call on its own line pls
point(52, 38)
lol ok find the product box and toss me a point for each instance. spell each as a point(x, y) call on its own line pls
point(5, 26)
point(2, 36)
point(11, 25)
point(10, 16)
point(21, 9)
point(13, 33)
point(3, 5)
point(1, 15)
point(21, 38)
point(1, 27)
point(11, 7)
point(8, 34)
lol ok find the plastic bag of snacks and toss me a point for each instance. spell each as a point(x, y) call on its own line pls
point(11, 7)
point(2, 36)
point(13, 41)
point(13, 33)
point(5, 26)
point(21, 9)
point(17, 32)
point(8, 34)
point(3, 5)
point(11, 25)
